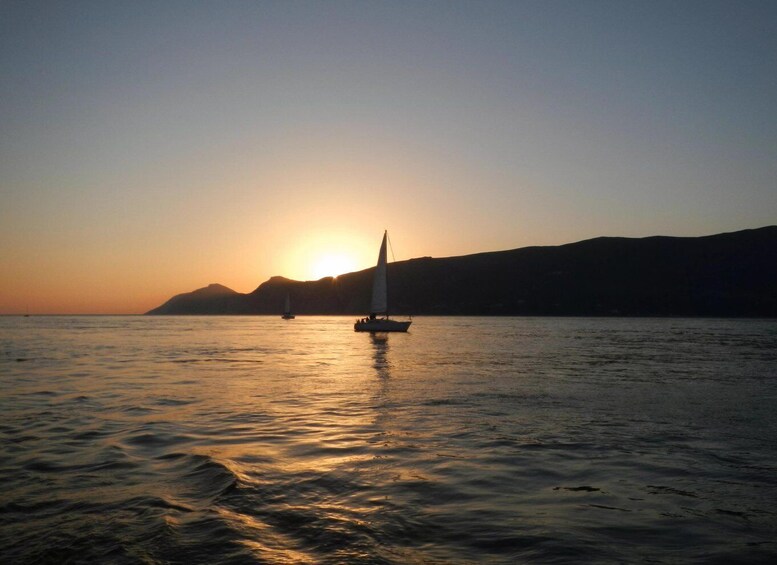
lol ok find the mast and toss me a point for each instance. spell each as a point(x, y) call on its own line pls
point(385, 252)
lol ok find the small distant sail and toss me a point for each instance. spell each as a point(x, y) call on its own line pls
point(379, 303)
point(287, 315)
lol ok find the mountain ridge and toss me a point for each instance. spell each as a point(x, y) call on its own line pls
point(726, 274)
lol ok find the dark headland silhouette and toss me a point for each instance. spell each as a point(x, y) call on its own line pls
point(729, 274)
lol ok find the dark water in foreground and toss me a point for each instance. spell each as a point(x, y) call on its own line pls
point(469, 440)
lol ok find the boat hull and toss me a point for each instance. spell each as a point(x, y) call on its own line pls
point(381, 325)
point(288, 316)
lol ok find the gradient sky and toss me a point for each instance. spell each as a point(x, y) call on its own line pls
point(151, 148)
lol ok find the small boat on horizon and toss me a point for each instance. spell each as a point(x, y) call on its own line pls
point(379, 304)
point(287, 315)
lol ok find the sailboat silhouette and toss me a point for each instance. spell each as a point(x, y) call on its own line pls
point(380, 304)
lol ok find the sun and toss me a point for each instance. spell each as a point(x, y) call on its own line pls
point(332, 265)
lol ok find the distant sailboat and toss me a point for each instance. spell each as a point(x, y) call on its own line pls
point(379, 303)
point(287, 315)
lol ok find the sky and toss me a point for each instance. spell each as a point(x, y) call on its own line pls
point(152, 148)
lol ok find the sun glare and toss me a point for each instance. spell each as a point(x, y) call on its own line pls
point(331, 265)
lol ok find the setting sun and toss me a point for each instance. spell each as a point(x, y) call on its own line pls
point(324, 251)
point(331, 265)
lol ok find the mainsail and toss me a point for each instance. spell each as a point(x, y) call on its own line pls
point(380, 283)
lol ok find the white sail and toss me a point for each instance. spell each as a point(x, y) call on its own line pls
point(380, 283)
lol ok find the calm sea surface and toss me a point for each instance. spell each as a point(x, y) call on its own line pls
point(467, 440)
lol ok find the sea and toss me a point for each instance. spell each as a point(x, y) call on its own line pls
point(251, 439)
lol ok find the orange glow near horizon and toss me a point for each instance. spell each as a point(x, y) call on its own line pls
point(143, 276)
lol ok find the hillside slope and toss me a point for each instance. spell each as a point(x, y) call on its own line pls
point(731, 274)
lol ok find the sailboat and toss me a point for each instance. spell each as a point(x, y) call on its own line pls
point(287, 315)
point(379, 304)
